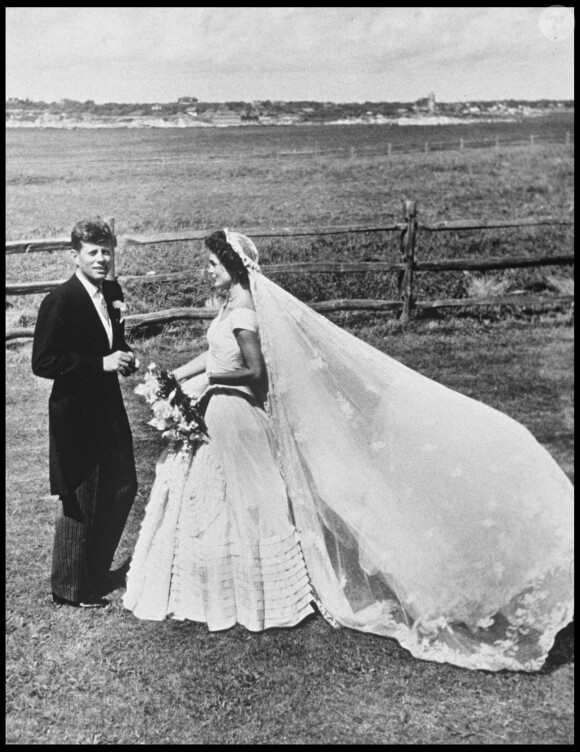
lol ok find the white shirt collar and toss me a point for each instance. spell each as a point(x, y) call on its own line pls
point(93, 290)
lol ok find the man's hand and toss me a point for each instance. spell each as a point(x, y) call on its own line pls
point(133, 366)
point(121, 362)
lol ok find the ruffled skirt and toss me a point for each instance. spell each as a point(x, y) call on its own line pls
point(217, 544)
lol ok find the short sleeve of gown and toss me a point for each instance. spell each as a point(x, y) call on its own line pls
point(243, 318)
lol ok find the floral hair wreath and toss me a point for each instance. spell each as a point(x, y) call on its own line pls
point(237, 241)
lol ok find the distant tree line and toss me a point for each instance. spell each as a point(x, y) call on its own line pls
point(308, 110)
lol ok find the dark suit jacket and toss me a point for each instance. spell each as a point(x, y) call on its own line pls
point(86, 410)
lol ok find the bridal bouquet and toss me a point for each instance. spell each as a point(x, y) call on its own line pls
point(174, 412)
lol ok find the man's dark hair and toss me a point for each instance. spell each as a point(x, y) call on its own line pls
point(90, 231)
point(217, 243)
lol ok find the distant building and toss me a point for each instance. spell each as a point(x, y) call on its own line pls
point(426, 104)
point(250, 115)
point(187, 100)
point(26, 110)
point(431, 106)
point(289, 119)
point(224, 118)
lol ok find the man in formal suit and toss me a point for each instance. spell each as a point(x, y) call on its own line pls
point(79, 342)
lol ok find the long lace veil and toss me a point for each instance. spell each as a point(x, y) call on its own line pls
point(423, 514)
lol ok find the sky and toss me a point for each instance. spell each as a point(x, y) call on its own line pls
point(158, 54)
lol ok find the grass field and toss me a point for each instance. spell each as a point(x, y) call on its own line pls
point(108, 678)
point(52, 176)
point(46, 194)
point(78, 678)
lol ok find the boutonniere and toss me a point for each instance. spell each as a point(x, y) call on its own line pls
point(121, 307)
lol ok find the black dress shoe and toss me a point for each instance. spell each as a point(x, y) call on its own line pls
point(92, 602)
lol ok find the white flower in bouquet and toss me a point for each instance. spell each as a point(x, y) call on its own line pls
point(150, 387)
point(163, 410)
point(175, 413)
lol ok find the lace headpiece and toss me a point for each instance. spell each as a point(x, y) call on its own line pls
point(245, 249)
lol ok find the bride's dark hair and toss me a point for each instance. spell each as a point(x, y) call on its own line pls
point(217, 243)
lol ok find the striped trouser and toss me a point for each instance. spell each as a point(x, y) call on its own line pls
point(90, 525)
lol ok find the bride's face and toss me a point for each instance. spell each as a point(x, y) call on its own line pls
point(218, 273)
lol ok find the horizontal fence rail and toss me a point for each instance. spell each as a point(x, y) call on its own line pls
point(62, 244)
point(269, 232)
point(333, 306)
point(137, 321)
point(328, 267)
point(405, 268)
point(462, 224)
point(29, 246)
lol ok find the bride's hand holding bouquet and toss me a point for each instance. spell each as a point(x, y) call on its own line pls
point(175, 409)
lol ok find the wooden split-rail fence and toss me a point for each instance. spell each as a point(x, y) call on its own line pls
point(405, 268)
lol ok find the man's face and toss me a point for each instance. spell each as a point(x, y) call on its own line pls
point(94, 261)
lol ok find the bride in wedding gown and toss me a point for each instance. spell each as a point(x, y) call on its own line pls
point(336, 476)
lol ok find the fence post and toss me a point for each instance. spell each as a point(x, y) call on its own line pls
point(567, 138)
point(461, 143)
point(111, 222)
point(408, 238)
point(426, 147)
point(497, 142)
point(531, 139)
point(352, 152)
point(389, 148)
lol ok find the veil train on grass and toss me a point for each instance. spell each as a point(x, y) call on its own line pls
point(423, 514)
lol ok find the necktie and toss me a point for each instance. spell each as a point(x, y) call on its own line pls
point(103, 307)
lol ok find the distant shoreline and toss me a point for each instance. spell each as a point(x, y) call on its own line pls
point(181, 123)
point(42, 119)
point(188, 112)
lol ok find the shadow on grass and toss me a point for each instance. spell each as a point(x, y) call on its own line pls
point(562, 651)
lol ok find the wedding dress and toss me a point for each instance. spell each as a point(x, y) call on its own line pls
point(217, 544)
point(421, 514)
